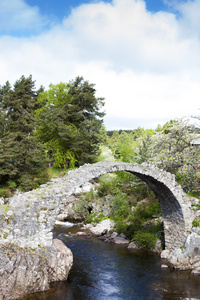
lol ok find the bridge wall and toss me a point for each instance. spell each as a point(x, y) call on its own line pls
point(31, 216)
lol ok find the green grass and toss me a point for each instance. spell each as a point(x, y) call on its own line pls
point(195, 194)
point(55, 173)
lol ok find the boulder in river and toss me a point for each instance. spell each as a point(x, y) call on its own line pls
point(103, 227)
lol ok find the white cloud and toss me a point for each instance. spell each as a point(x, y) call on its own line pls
point(189, 16)
point(145, 64)
point(17, 16)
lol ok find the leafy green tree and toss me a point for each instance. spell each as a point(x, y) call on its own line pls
point(70, 122)
point(143, 153)
point(22, 157)
point(124, 150)
point(113, 141)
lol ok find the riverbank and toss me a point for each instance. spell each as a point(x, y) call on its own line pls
point(24, 271)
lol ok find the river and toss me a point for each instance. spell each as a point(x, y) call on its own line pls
point(104, 271)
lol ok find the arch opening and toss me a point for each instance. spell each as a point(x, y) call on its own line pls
point(162, 184)
point(173, 217)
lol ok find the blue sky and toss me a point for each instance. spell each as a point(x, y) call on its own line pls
point(143, 56)
point(62, 8)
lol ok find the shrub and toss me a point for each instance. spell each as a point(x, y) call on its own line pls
point(27, 182)
point(120, 207)
point(121, 226)
point(195, 223)
point(135, 224)
point(90, 218)
point(4, 192)
point(93, 217)
point(107, 186)
point(196, 205)
point(145, 240)
point(12, 184)
point(82, 208)
point(90, 196)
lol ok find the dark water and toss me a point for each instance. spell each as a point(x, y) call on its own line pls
point(104, 271)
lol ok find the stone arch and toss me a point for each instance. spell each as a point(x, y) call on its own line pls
point(34, 213)
point(175, 205)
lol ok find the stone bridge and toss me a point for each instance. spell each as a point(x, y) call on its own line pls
point(30, 217)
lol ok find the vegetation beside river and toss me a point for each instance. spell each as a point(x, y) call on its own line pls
point(129, 203)
point(44, 132)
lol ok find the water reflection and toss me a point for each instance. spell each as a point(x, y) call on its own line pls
point(103, 271)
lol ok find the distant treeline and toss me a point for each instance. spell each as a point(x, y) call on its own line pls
point(110, 132)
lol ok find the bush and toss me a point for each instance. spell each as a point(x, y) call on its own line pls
point(135, 224)
point(4, 192)
point(107, 186)
point(90, 196)
point(145, 211)
point(195, 223)
point(82, 208)
point(120, 207)
point(12, 184)
point(90, 218)
point(93, 217)
point(145, 240)
point(27, 182)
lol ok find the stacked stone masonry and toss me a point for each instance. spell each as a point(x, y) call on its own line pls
point(30, 217)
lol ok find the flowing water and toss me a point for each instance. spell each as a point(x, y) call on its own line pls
point(104, 271)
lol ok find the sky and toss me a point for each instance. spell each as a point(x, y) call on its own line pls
point(142, 56)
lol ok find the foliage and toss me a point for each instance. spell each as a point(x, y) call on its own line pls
point(22, 156)
point(195, 223)
point(120, 209)
point(70, 123)
point(12, 184)
point(142, 153)
point(124, 148)
point(4, 192)
point(171, 149)
point(105, 154)
point(145, 240)
point(107, 185)
point(54, 172)
point(129, 220)
point(90, 196)
point(195, 194)
point(95, 218)
point(125, 144)
point(82, 208)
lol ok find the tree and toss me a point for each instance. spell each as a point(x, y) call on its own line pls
point(22, 157)
point(171, 149)
point(70, 121)
point(113, 141)
point(142, 153)
point(124, 150)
